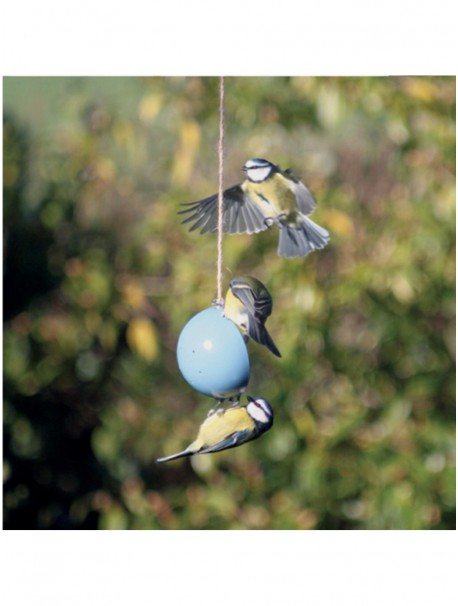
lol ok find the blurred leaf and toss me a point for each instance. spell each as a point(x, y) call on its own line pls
point(142, 338)
point(186, 153)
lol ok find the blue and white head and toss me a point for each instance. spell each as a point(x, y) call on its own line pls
point(261, 412)
point(258, 170)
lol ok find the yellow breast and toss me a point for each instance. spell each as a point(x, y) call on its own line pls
point(274, 196)
point(234, 309)
point(220, 425)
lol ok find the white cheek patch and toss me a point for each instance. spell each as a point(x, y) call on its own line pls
point(258, 413)
point(258, 174)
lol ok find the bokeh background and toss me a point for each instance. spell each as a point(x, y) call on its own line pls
point(100, 278)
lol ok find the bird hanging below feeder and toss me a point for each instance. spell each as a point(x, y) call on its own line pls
point(229, 428)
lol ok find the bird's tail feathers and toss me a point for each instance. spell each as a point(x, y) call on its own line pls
point(177, 455)
point(269, 343)
point(301, 240)
point(258, 332)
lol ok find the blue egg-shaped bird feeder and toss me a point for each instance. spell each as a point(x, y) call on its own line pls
point(212, 355)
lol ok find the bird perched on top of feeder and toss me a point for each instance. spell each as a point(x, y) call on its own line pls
point(268, 195)
point(248, 304)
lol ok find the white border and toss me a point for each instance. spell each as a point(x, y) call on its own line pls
point(240, 37)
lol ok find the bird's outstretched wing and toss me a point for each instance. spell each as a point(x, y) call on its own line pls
point(240, 213)
point(305, 201)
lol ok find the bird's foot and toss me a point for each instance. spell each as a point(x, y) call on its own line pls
point(215, 408)
point(234, 402)
point(269, 222)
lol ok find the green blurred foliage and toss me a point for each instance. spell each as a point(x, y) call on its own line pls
point(100, 278)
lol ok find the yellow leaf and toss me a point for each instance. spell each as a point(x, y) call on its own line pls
point(150, 106)
point(421, 88)
point(339, 223)
point(186, 152)
point(133, 294)
point(143, 338)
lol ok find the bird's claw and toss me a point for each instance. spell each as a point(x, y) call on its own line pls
point(235, 401)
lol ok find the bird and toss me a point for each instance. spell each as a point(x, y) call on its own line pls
point(229, 428)
point(267, 196)
point(248, 304)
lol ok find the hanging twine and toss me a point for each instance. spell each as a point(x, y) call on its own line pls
point(219, 263)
